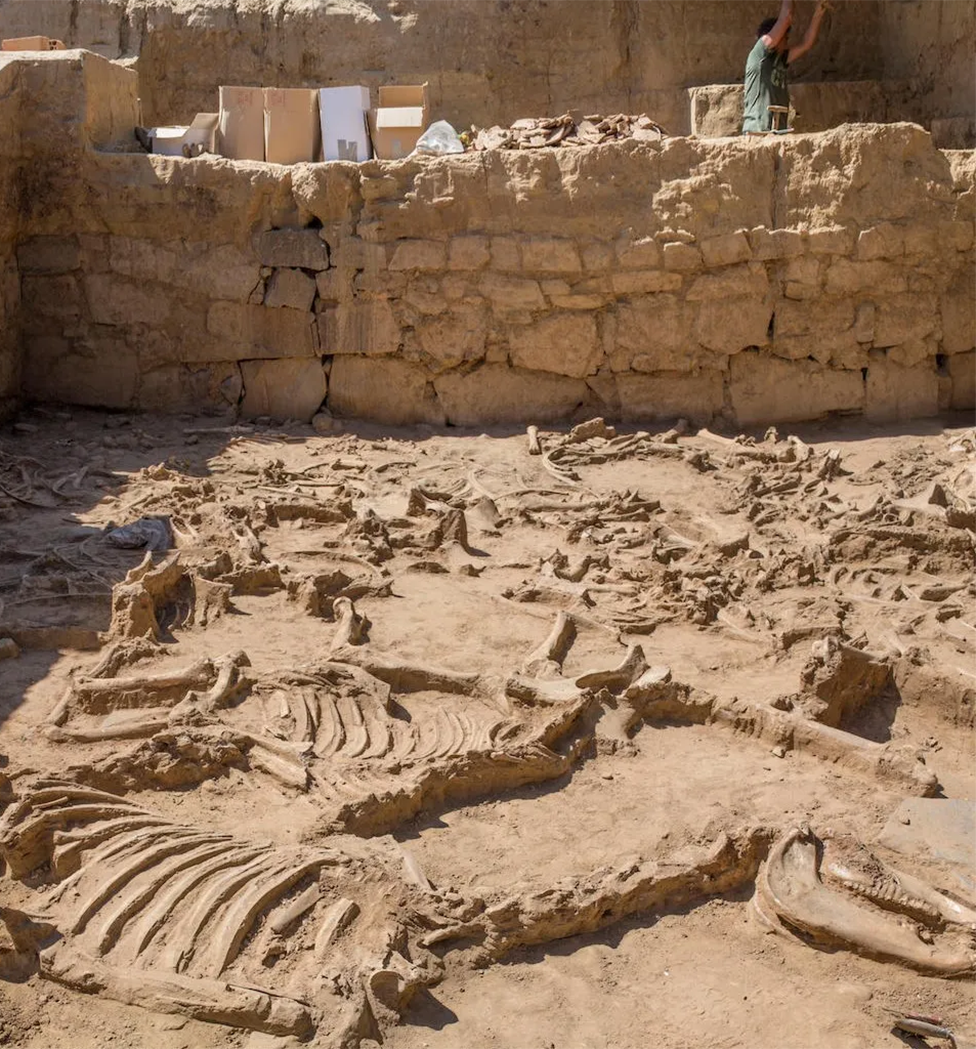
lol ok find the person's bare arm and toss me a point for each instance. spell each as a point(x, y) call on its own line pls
point(811, 38)
point(775, 35)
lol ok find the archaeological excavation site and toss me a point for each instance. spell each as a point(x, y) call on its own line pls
point(487, 524)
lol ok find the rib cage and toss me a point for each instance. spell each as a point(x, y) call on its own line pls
point(136, 896)
point(331, 728)
point(359, 727)
point(374, 768)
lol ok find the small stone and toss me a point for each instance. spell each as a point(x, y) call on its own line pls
point(8, 648)
point(324, 423)
point(778, 752)
point(905, 819)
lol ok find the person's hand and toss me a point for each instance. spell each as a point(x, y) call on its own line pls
point(823, 7)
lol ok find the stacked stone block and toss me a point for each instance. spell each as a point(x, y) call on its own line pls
point(755, 280)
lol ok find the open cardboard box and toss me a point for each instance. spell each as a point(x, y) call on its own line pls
point(31, 43)
point(202, 132)
point(399, 120)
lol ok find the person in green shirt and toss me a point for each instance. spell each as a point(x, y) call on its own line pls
point(766, 82)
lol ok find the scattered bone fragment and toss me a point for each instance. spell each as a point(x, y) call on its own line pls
point(538, 132)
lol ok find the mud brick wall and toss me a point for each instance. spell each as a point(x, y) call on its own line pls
point(754, 280)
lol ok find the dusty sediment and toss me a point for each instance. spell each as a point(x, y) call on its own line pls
point(395, 708)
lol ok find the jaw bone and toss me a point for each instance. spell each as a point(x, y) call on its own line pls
point(790, 896)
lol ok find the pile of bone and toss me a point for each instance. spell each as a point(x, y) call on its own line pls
point(536, 132)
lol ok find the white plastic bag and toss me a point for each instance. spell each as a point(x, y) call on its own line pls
point(438, 140)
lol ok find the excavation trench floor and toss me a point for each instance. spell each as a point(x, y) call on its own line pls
point(727, 563)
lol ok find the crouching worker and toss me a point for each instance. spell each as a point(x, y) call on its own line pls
point(766, 82)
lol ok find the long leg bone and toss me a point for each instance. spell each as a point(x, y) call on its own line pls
point(350, 646)
point(546, 661)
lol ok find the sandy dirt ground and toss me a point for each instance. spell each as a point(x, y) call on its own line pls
point(504, 745)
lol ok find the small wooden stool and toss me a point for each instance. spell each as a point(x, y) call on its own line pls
point(779, 115)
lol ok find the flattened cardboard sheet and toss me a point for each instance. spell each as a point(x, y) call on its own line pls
point(343, 112)
point(240, 128)
point(291, 125)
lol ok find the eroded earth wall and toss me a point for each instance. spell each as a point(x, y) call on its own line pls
point(10, 352)
point(492, 61)
point(931, 46)
point(487, 61)
point(759, 280)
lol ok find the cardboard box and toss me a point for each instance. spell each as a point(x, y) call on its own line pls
point(31, 43)
point(199, 137)
point(240, 125)
point(343, 112)
point(399, 120)
point(291, 125)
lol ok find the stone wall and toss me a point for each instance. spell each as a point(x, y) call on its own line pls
point(757, 280)
point(716, 109)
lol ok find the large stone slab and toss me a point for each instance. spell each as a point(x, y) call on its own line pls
point(288, 389)
point(668, 395)
point(563, 343)
point(384, 390)
point(651, 333)
point(368, 328)
point(241, 332)
point(495, 393)
point(962, 371)
point(895, 392)
point(765, 389)
point(295, 248)
point(291, 289)
point(731, 325)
